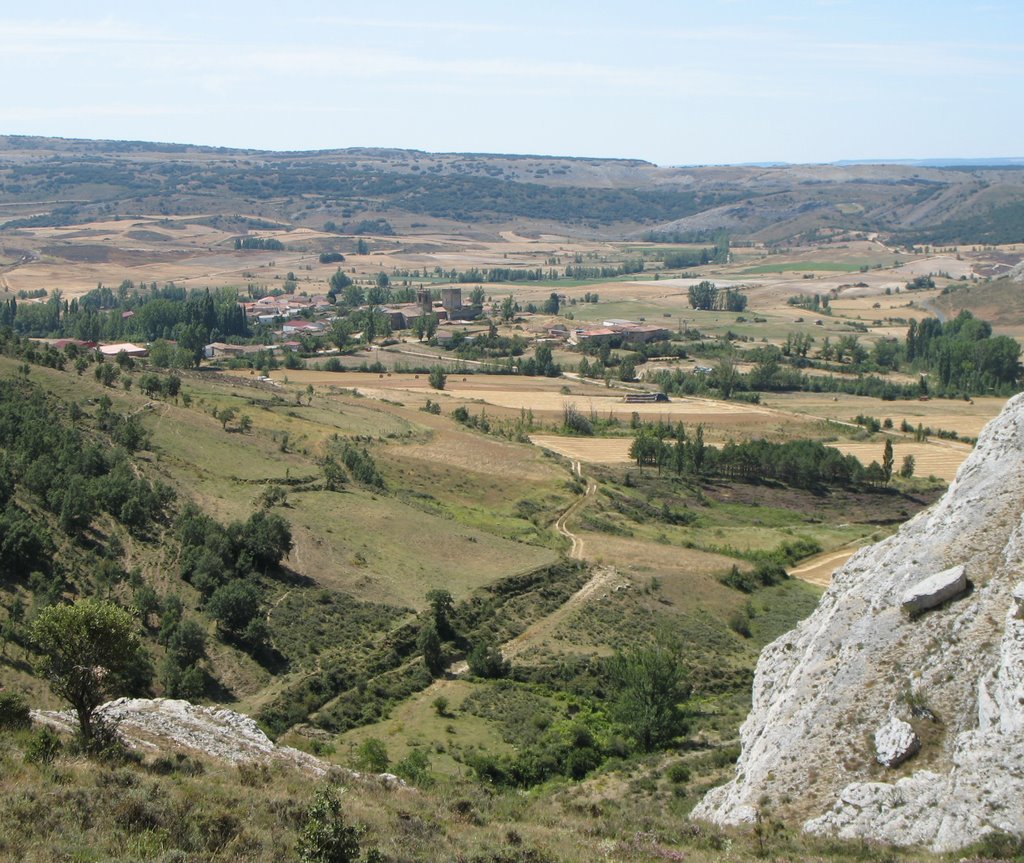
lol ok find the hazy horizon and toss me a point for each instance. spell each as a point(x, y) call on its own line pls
point(985, 161)
point(738, 82)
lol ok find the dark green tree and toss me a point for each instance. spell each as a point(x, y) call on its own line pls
point(438, 378)
point(87, 652)
point(429, 644)
point(649, 685)
point(485, 659)
point(442, 604)
point(887, 460)
point(233, 605)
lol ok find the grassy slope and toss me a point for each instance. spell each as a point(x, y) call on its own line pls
point(452, 516)
point(381, 546)
point(78, 810)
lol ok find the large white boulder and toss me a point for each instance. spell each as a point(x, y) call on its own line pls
point(895, 742)
point(935, 590)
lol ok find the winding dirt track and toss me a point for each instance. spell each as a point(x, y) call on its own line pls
point(601, 578)
point(818, 569)
point(560, 525)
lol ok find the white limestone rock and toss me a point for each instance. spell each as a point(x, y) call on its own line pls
point(935, 590)
point(167, 724)
point(821, 690)
point(895, 742)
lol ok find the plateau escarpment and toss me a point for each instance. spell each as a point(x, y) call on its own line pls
point(896, 710)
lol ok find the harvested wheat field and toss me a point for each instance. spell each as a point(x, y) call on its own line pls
point(684, 409)
point(963, 417)
point(930, 458)
point(594, 450)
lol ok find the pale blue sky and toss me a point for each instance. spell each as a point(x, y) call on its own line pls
point(671, 82)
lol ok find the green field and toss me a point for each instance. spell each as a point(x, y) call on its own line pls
point(804, 267)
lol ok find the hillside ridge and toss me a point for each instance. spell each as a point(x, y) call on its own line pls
point(77, 180)
point(951, 675)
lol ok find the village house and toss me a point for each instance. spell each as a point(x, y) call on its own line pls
point(301, 327)
point(127, 347)
point(643, 333)
point(221, 349)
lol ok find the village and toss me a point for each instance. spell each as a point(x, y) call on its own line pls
point(304, 324)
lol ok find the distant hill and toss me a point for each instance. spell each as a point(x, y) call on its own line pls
point(998, 162)
point(60, 181)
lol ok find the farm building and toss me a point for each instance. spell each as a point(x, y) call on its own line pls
point(644, 398)
point(279, 307)
point(61, 344)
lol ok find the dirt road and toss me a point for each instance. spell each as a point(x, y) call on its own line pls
point(601, 579)
point(560, 525)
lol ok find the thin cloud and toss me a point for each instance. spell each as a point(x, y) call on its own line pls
point(420, 25)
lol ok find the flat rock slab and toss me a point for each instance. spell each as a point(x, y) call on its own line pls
point(895, 742)
point(935, 590)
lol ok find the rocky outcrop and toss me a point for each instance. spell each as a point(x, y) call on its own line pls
point(165, 724)
point(954, 674)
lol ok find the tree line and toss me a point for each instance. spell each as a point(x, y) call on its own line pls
point(144, 313)
point(800, 463)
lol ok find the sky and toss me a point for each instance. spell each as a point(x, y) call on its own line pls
point(675, 83)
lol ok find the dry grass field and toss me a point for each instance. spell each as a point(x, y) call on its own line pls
point(543, 396)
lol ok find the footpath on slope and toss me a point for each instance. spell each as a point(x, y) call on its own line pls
point(602, 578)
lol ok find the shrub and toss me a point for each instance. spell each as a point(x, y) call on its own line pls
point(326, 838)
point(372, 755)
point(486, 660)
point(998, 846)
point(746, 582)
point(770, 572)
point(13, 711)
point(438, 378)
point(739, 623)
point(678, 773)
point(44, 746)
point(415, 768)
